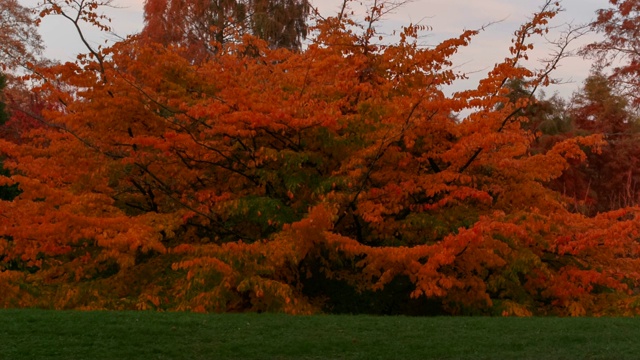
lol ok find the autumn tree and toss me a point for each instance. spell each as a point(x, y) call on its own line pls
point(6, 192)
point(229, 184)
point(20, 47)
point(20, 42)
point(20, 50)
point(620, 47)
point(550, 122)
point(606, 180)
point(613, 178)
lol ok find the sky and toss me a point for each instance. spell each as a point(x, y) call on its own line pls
point(446, 19)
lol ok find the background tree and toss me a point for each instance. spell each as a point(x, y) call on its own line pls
point(20, 42)
point(20, 47)
point(613, 174)
point(621, 45)
point(608, 179)
point(282, 23)
point(202, 25)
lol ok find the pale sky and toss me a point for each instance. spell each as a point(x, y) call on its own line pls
point(447, 18)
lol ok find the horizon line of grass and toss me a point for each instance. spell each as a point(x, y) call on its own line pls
point(48, 334)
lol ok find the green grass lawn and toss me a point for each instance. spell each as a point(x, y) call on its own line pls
point(40, 334)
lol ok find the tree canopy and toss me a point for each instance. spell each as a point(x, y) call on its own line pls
point(279, 178)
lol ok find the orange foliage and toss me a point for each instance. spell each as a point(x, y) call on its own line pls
point(222, 185)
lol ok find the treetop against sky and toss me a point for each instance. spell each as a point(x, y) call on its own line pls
point(446, 18)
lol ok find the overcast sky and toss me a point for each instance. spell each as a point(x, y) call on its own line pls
point(447, 18)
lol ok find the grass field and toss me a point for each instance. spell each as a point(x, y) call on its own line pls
point(40, 334)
